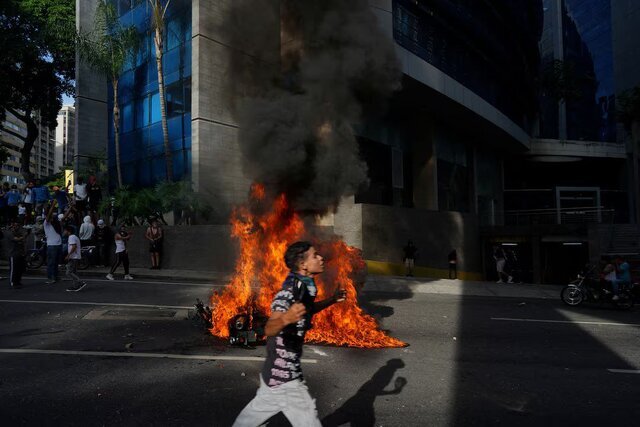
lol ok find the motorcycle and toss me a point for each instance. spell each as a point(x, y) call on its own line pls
point(87, 253)
point(37, 256)
point(590, 288)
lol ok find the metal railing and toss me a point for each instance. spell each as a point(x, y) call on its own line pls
point(586, 215)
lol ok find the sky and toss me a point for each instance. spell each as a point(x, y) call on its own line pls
point(67, 100)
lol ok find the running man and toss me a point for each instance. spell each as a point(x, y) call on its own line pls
point(282, 386)
point(74, 255)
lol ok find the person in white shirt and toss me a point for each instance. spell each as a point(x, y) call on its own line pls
point(122, 257)
point(86, 231)
point(80, 193)
point(72, 259)
point(53, 233)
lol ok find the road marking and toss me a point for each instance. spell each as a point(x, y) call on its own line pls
point(318, 351)
point(581, 322)
point(147, 355)
point(120, 282)
point(179, 307)
point(624, 371)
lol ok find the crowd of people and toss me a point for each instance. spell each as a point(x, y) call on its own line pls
point(65, 222)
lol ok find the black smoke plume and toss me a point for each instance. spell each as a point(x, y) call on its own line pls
point(296, 109)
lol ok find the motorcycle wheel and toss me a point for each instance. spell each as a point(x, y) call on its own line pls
point(83, 263)
point(572, 296)
point(34, 261)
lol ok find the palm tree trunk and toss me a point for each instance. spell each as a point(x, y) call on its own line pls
point(116, 130)
point(163, 106)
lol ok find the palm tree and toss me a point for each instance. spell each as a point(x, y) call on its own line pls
point(158, 11)
point(107, 49)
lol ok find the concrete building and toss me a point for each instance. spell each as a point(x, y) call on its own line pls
point(42, 154)
point(11, 168)
point(65, 137)
point(479, 148)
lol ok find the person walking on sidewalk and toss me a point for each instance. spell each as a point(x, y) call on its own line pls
point(73, 257)
point(53, 233)
point(282, 386)
point(122, 256)
point(18, 253)
point(410, 252)
point(103, 237)
point(155, 235)
point(501, 260)
point(453, 264)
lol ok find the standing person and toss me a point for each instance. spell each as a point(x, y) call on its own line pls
point(28, 201)
point(22, 214)
point(86, 231)
point(409, 259)
point(18, 253)
point(4, 214)
point(155, 235)
point(102, 237)
point(453, 264)
point(74, 255)
point(53, 232)
point(41, 197)
point(501, 260)
point(95, 196)
point(282, 386)
point(13, 199)
point(62, 197)
point(81, 195)
point(122, 256)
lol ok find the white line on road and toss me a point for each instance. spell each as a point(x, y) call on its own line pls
point(19, 301)
point(147, 282)
point(147, 355)
point(624, 371)
point(581, 322)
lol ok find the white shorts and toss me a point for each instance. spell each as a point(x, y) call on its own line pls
point(500, 265)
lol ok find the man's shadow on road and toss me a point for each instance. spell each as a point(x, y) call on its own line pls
point(358, 411)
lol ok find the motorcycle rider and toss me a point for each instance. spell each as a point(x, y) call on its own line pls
point(623, 277)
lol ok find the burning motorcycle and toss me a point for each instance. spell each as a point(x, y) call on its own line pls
point(590, 288)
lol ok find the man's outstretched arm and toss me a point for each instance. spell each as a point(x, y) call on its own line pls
point(339, 296)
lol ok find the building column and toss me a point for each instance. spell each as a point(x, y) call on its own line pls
point(424, 167)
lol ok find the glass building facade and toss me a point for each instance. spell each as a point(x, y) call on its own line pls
point(577, 61)
point(141, 142)
point(489, 47)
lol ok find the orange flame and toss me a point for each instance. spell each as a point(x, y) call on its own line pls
point(263, 241)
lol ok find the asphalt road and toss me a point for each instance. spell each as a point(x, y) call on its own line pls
point(68, 359)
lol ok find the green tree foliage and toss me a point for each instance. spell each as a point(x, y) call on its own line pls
point(38, 65)
point(107, 48)
point(135, 207)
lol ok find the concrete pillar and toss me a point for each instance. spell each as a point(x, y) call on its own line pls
point(536, 258)
point(91, 136)
point(217, 171)
point(424, 167)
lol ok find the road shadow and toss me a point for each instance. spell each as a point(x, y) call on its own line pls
point(526, 362)
point(358, 411)
point(370, 301)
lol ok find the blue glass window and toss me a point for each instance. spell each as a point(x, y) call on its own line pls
point(127, 117)
point(155, 108)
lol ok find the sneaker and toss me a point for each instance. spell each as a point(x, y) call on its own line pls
point(510, 280)
point(77, 288)
point(128, 277)
point(16, 285)
point(110, 276)
point(615, 298)
point(500, 281)
point(50, 282)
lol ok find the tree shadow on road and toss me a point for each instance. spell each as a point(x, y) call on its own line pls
point(358, 411)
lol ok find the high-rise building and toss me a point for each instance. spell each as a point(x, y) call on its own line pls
point(65, 137)
point(11, 168)
point(42, 154)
